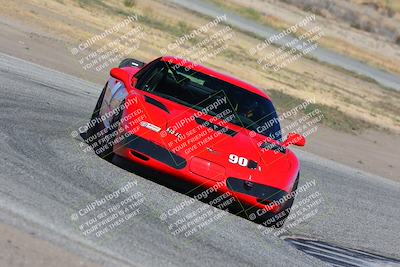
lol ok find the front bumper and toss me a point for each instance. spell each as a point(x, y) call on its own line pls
point(145, 152)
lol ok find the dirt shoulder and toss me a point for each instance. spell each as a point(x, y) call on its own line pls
point(371, 151)
point(18, 248)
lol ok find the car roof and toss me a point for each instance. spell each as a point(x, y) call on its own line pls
point(187, 64)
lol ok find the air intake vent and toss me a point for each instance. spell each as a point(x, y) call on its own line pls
point(274, 147)
point(156, 103)
point(215, 127)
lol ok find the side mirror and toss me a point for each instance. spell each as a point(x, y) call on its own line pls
point(295, 139)
point(121, 75)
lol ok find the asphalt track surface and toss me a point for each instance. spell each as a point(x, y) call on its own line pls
point(45, 178)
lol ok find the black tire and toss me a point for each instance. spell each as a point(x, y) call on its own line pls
point(130, 62)
point(108, 152)
point(288, 205)
point(105, 150)
point(278, 223)
point(95, 128)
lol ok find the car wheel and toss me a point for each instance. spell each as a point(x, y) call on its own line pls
point(95, 114)
point(103, 143)
point(110, 134)
point(270, 219)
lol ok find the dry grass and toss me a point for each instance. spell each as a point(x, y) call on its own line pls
point(349, 103)
point(392, 6)
point(337, 42)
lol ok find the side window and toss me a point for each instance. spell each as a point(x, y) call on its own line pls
point(146, 68)
point(150, 80)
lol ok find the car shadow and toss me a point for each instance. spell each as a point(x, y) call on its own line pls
point(176, 184)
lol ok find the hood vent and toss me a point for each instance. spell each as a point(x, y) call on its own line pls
point(274, 147)
point(215, 127)
point(156, 103)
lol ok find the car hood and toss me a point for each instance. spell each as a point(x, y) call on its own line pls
point(185, 132)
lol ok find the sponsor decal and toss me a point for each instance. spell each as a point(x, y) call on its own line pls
point(173, 132)
point(150, 126)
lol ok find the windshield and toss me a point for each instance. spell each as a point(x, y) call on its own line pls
point(211, 96)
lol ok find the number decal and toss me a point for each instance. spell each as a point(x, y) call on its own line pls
point(243, 161)
point(235, 159)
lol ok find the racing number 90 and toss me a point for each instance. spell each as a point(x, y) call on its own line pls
point(235, 159)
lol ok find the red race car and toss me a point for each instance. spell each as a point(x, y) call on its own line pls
point(199, 125)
